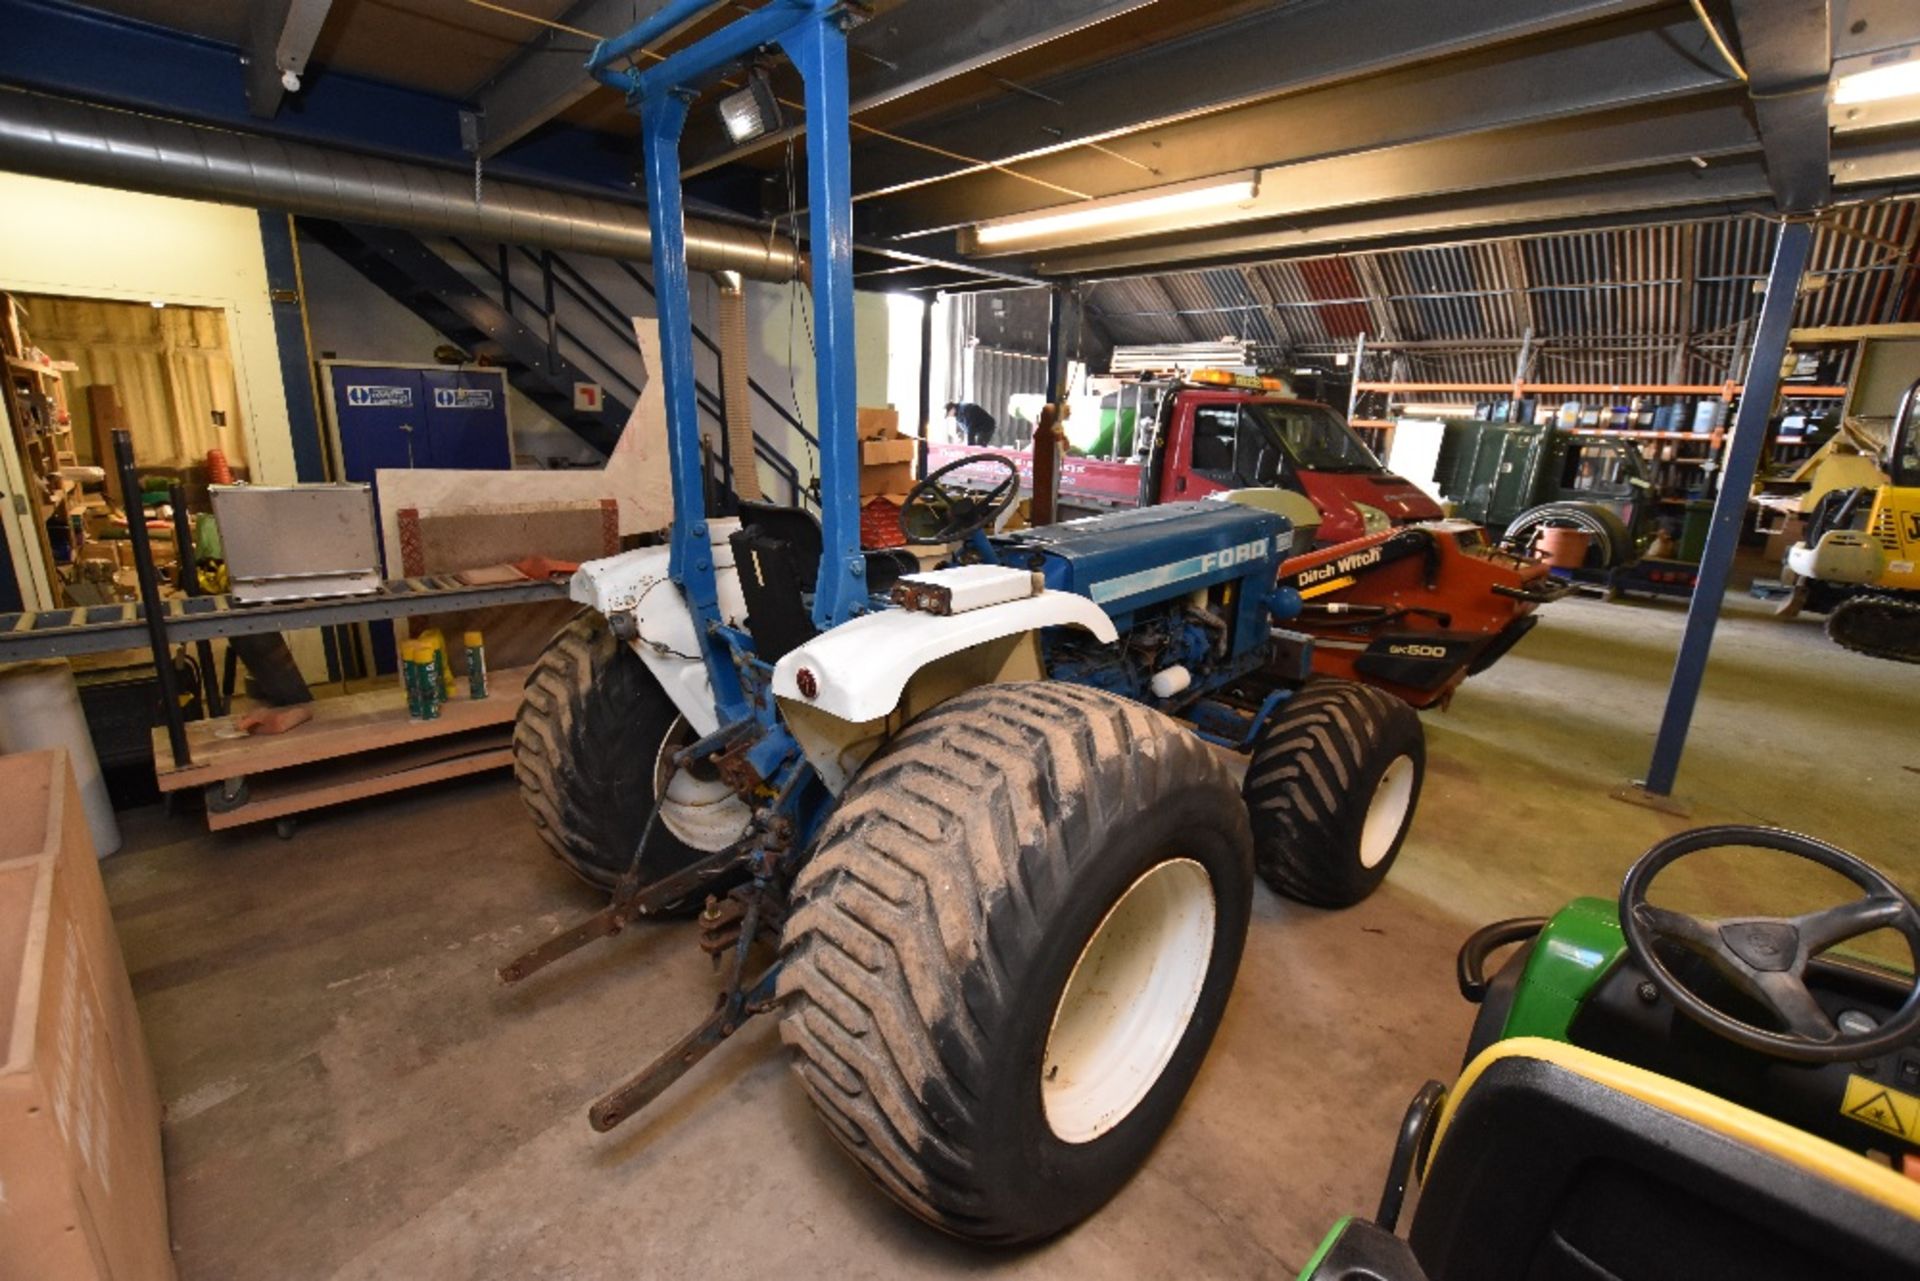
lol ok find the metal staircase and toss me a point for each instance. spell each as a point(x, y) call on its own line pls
point(519, 326)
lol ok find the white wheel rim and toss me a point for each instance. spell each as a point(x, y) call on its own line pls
point(1127, 1004)
point(1387, 811)
point(695, 805)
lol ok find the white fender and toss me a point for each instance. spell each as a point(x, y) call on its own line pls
point(636, 583)
point(858, 671)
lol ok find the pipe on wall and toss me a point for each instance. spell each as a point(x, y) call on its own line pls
point(50, 137)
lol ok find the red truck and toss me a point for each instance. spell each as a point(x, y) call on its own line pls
point(1394, 595)
point(1214, 431)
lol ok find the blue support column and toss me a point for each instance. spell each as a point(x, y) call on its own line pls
point(819, 50)
point(663, 115)
point(290, 336)
point(1730, 506)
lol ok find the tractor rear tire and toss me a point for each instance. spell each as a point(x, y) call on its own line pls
point(1331, 789)
point(1010, 952)
point(594, 723)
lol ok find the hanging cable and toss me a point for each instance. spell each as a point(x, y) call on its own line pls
point(535, 19)
point(1719, 42)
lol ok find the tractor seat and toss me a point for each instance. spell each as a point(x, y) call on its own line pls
point(777, 553)
point(1553, 1163)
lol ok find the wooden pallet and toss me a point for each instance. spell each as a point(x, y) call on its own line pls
point(355, 746)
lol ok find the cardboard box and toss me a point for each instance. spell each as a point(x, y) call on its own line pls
point(899, 449)
point(1781, 541)
point(877, 424)
point(891, 478)
point(79, 1112)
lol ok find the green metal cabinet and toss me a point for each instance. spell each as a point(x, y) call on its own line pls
point(1492, 472)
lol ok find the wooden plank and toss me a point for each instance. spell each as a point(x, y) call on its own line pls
point(344, 726)
point(316, 786)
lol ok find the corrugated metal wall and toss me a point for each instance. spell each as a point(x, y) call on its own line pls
point(1666, 303)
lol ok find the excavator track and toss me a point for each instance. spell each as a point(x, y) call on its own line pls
point(1882, 626)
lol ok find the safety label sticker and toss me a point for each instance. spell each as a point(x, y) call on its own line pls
point(376, 397)
point(462, 398)
point(1882, 1107)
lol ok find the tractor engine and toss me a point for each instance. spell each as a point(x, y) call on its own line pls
point(1189, 587)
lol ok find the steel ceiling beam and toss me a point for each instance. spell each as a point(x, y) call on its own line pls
point(73, 52)
point(1697, 131)
point(1007, 273)
point(280, 38)
point(550, 75)
point(1638, 58)
point(924, 42)
point(1589, 202)
point(1276, 50)
point(1881, 165)
point(1788, 49)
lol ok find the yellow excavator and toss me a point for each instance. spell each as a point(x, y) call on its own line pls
point(1860, 562)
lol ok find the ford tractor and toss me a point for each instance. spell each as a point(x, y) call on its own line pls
point(971, 830)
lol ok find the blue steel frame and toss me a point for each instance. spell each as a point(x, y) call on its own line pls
point(810, 33)
point(1730, 505)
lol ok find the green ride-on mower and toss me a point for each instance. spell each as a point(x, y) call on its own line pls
point(1654, 1096)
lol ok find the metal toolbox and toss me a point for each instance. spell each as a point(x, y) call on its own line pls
point(293, 542)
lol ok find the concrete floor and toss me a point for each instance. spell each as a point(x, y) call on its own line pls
point(349, 1094)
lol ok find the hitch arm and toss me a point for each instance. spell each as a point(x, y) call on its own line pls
point(621, 1102)
point(625, 908)
point(735, 1006)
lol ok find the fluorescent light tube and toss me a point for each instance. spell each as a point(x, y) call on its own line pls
point(1103, 213)
point(1877, 84)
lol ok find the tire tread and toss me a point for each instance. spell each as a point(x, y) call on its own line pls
point(929, 888)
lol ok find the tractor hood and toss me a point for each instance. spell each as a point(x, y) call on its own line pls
point(1128, 560)
point(1335, 494)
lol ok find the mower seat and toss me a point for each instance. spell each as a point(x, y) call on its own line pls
point(1552, 1163)
point(777, 554)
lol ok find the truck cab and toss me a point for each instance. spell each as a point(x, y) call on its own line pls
point(1212, 431)
point(1218, 433)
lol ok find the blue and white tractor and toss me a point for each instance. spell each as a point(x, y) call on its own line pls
point(973, 830)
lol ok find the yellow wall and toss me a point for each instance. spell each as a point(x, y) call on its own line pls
point(61, 238)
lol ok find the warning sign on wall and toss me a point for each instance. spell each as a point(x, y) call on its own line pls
point(586, 397)
point(462, 398)
point(378, 397)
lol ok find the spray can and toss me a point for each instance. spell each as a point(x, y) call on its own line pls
point(442, 667)
point(476, 664)
point(432, 692)
point(407, 681)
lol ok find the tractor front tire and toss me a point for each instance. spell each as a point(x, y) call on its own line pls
point(589, 745)
point(1010, 952)
point(1331, 790)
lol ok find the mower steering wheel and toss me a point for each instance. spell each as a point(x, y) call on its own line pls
point(1766, 957)
point(934, 514)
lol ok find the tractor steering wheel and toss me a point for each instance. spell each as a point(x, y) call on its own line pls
point(1765, 957)
point(934, 514)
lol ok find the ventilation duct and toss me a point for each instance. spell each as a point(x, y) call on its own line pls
point(59, 138)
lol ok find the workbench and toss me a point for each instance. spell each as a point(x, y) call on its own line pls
point(356, 745)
